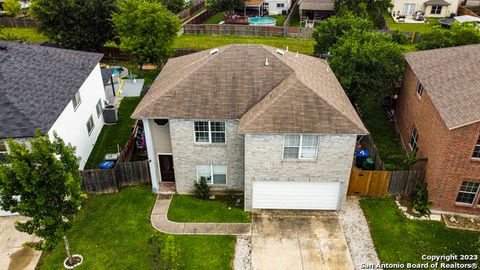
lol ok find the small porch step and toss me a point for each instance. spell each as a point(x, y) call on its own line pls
point(167, 188)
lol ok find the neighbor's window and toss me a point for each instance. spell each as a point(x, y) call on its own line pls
point(300, 146)
point(99, 108)
point(436, 10)
point(3, 151)
point(468, 192)
point(414, 139)
point(280, 5)
point(214, 174)
point(408, 9)
point(209, 132)
point(419, 89)
point(476, 151)
point(90, 125)
point(76, 100)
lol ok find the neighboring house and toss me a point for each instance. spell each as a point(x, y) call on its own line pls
point(24, 4)
point(53, 89)
point(277, 7)
point(431, 8)
point(438, 112)
point(249, 118)
point(315, 9)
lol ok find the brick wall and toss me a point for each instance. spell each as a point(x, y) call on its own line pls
point(448, 152)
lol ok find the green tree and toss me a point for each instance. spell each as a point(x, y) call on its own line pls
point(420, 198)
point(11, 7)
point(80, 25)
point(42, 183)
point(202, 190)
point(458, 34)
point(175, 6)
point(367, 63)
point(373, 8)
point(328, 32)
point(225, 5)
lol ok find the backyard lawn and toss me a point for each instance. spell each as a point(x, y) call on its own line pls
point(24, 34)
point(215, 19)
point(112, 232)
point(410, 27)
point(203, 42)
point(280, 19)
point(190, 209)
point(113, 135)
point(400, 240)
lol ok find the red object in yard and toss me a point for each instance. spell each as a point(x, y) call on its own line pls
point(236, 19)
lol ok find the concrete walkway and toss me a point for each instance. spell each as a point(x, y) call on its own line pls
point(161, 223)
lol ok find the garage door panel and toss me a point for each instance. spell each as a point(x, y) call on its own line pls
point(295, 195)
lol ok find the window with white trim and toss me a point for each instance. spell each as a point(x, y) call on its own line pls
point(76, 100)
point(209, 132)
point(214, 173)
point(299, 146)
point(414, 139)
point(436, 10)
point(3, 151)
point(419, 89)
point(99, 108)
point(90, 125)
point(468, 192)
point(476, 150)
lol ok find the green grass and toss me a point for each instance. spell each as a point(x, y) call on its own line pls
point(113, 135)
point(112, 231)
point(398, 239)
point(190, 209)
point(410, 27)
point(215, 19)
point(203, 42)
point(26, 34)
point(280, 19)
point(295, 21)
point(384, 134)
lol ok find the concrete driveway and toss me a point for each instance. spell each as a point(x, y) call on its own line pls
point(303, 240)
point(12, 255)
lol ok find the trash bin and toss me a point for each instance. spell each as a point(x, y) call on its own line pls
point(368, 164)
point(360, 157)
point(110, 114)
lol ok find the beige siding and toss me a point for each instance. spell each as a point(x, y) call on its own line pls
point(161, 138)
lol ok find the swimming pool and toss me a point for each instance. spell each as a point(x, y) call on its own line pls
point(262, 21)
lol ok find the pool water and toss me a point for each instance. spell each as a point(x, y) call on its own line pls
point(262, 21)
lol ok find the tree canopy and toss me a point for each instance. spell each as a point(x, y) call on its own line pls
point(80, 25)
point(225, 5)
point(42, 183)
point(175, 6)
point(373, 8)
point(146, 29)
point(11, 7)
point(329, 31)
point(367, 63)
point(458, 34)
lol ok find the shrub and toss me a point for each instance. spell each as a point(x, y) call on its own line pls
point(420, 199)
point(12, 7)
point(202, 191)
point(399, 37)
point(166, 255)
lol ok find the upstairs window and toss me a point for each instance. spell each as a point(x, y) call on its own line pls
point(90, 125)
point(436, 10)
point(300, 146)
point(414, 139)
point(468, 192)
point(419, 89)
point(76, 100)
point(280, 5)
point(99, 108)
point(209, 132)
point(3, 151)
point(476, 151)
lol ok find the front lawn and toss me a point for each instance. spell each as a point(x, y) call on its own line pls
point(24, 34)
point(190, 209)
point(112, 232)
point(203, 42)
point(113, 135)
point(216, 18)
point(400, 240)
point(410, 27)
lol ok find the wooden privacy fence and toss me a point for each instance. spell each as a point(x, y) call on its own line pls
point(185, 14)
point(18, 22)
point(246, 30)
point(381, 183)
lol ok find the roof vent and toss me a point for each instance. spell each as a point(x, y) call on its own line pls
point(3, 47)
point(266, 62)
point(214, 51)
point(280, 52)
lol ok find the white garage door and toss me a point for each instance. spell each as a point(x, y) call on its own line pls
point(295, 195)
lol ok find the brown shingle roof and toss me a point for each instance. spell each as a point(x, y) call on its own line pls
point(317, 5)
point(450, 78)
point(292, 94)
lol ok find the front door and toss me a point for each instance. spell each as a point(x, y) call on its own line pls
point(166, 168)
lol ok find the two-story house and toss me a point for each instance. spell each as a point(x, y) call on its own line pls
point(275, 125)
point(438, 112)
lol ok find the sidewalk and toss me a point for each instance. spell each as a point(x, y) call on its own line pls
point(161, 223)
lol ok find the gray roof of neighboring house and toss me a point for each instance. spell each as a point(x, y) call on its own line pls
point(36, 83)
point(316, 5)
point(294, 93)
point(436, 3)
point(451, 79)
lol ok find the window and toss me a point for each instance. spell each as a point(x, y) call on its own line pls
point(214, 174)
point(476, 151)
point(468, 192)
point(90, 125)
point(300, 146)
point(76, 100)
point(99, 108)
point(209, 132)
point(408, 9)
point(436, 10)
point(419, 89)
point(414, 139)
point(280, 5)
point(3, 151)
